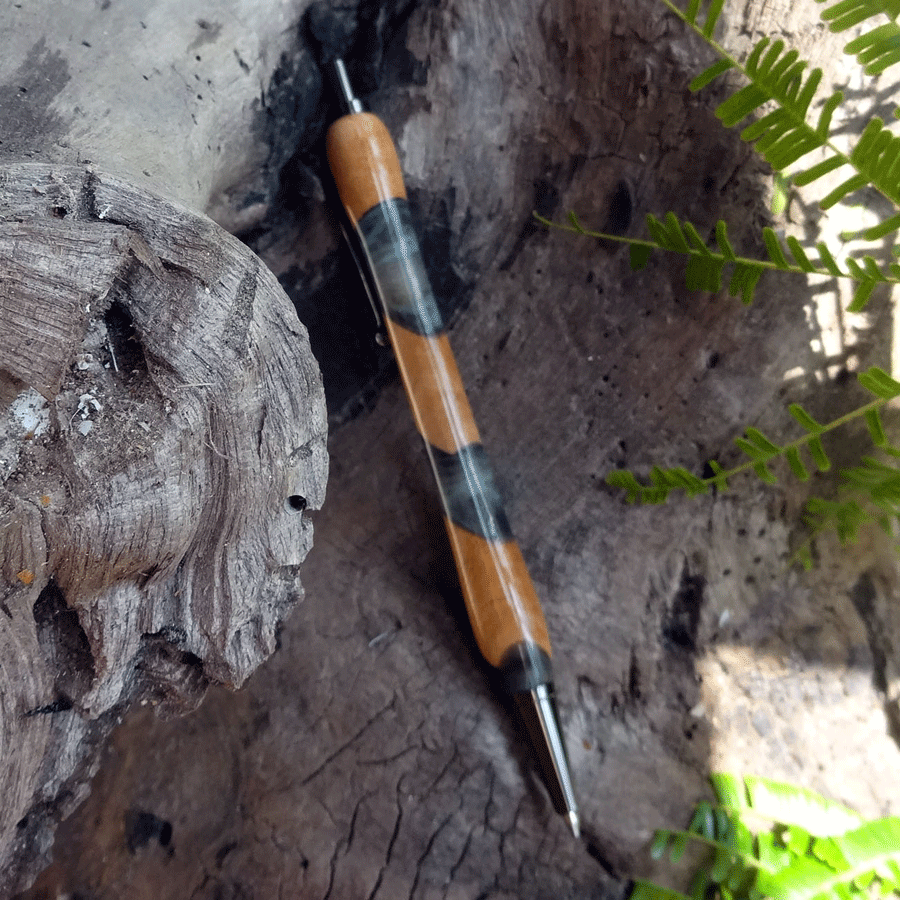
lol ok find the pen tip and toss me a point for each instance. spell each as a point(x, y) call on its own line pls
point(574, 824)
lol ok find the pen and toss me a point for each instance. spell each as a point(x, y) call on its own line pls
point(500, 599)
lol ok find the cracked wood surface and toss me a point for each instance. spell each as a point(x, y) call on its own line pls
point(369, 757)
point(147, 543)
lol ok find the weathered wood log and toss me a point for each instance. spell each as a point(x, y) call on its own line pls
point(162, 433)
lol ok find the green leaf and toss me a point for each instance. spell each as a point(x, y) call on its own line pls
point(877, 49)
point(729, 789)
point(713, 72)
point(699, 885)
point(744, 279)
point(861, 295)
point(763, 472)
point(704, 273)
point(721, 865)
point(688, 482)
point(741, 104)
point(828, 851)
point(640, 255)
point(773, 246)
point(802, 879)
point(750, 449)
point(646, 890)
point(799, 254)
point(723, 242)
point(712, 15)
point(804, 557)
point(796, 464)
point(796, 839)
point(675, 233)
point(694, 239)
point(807, 422)
point(678, 845)
point(817, 452)
point(573, 221)
point(824, 123)
point(767, 129)
point(758, 439)
point(876, 381)
point(865, 849)
point(720, 479)
point(827, 260)
point(772, 857)
point(876, 428)
point(658, 232)
point(854, 183)
point(845, 14)
point(622, 478)
point(817, 171)
point(703, 822)
point(886, 227)
point(789, 804)
point(693, 10)
point(660, 844)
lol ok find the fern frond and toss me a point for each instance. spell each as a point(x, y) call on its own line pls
point(785, 804)
point(814, 849)
point(647, 890)
point(713, 12)
point(864, 851)
point(877, 49)
point(783, 135)
point(846, 14)
point(776, 75)
point(876, 156)
point(876, 381)
point(706, 267)
point(882, 482)
point(876, 428)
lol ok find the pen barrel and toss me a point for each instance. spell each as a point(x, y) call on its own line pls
point(500, 598)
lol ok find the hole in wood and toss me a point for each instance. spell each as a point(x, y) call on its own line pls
point(125, 350)
point(63, 642)
point(295, 501)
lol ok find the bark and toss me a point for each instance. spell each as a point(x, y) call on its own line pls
point(163, 432)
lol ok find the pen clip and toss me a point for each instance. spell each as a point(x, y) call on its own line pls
point(366, 277)
point(360, 259)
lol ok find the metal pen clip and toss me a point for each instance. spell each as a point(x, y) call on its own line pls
point(360, 260)
point(367, 279)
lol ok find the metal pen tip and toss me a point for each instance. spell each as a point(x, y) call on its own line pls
point(349, 100)
point(538, 711)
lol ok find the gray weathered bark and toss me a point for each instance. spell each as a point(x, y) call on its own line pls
point(162, 432)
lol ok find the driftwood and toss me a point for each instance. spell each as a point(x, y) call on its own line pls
point(162, 433)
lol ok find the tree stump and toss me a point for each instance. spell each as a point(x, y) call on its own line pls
point(163, 433)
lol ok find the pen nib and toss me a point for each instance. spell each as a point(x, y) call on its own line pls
point(538, 711)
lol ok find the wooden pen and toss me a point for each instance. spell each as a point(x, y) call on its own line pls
point(500, 599)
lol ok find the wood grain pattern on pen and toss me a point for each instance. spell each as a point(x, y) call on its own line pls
point(500, 599)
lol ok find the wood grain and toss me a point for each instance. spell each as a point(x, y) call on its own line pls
point(151, 518)
point(364, 163)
